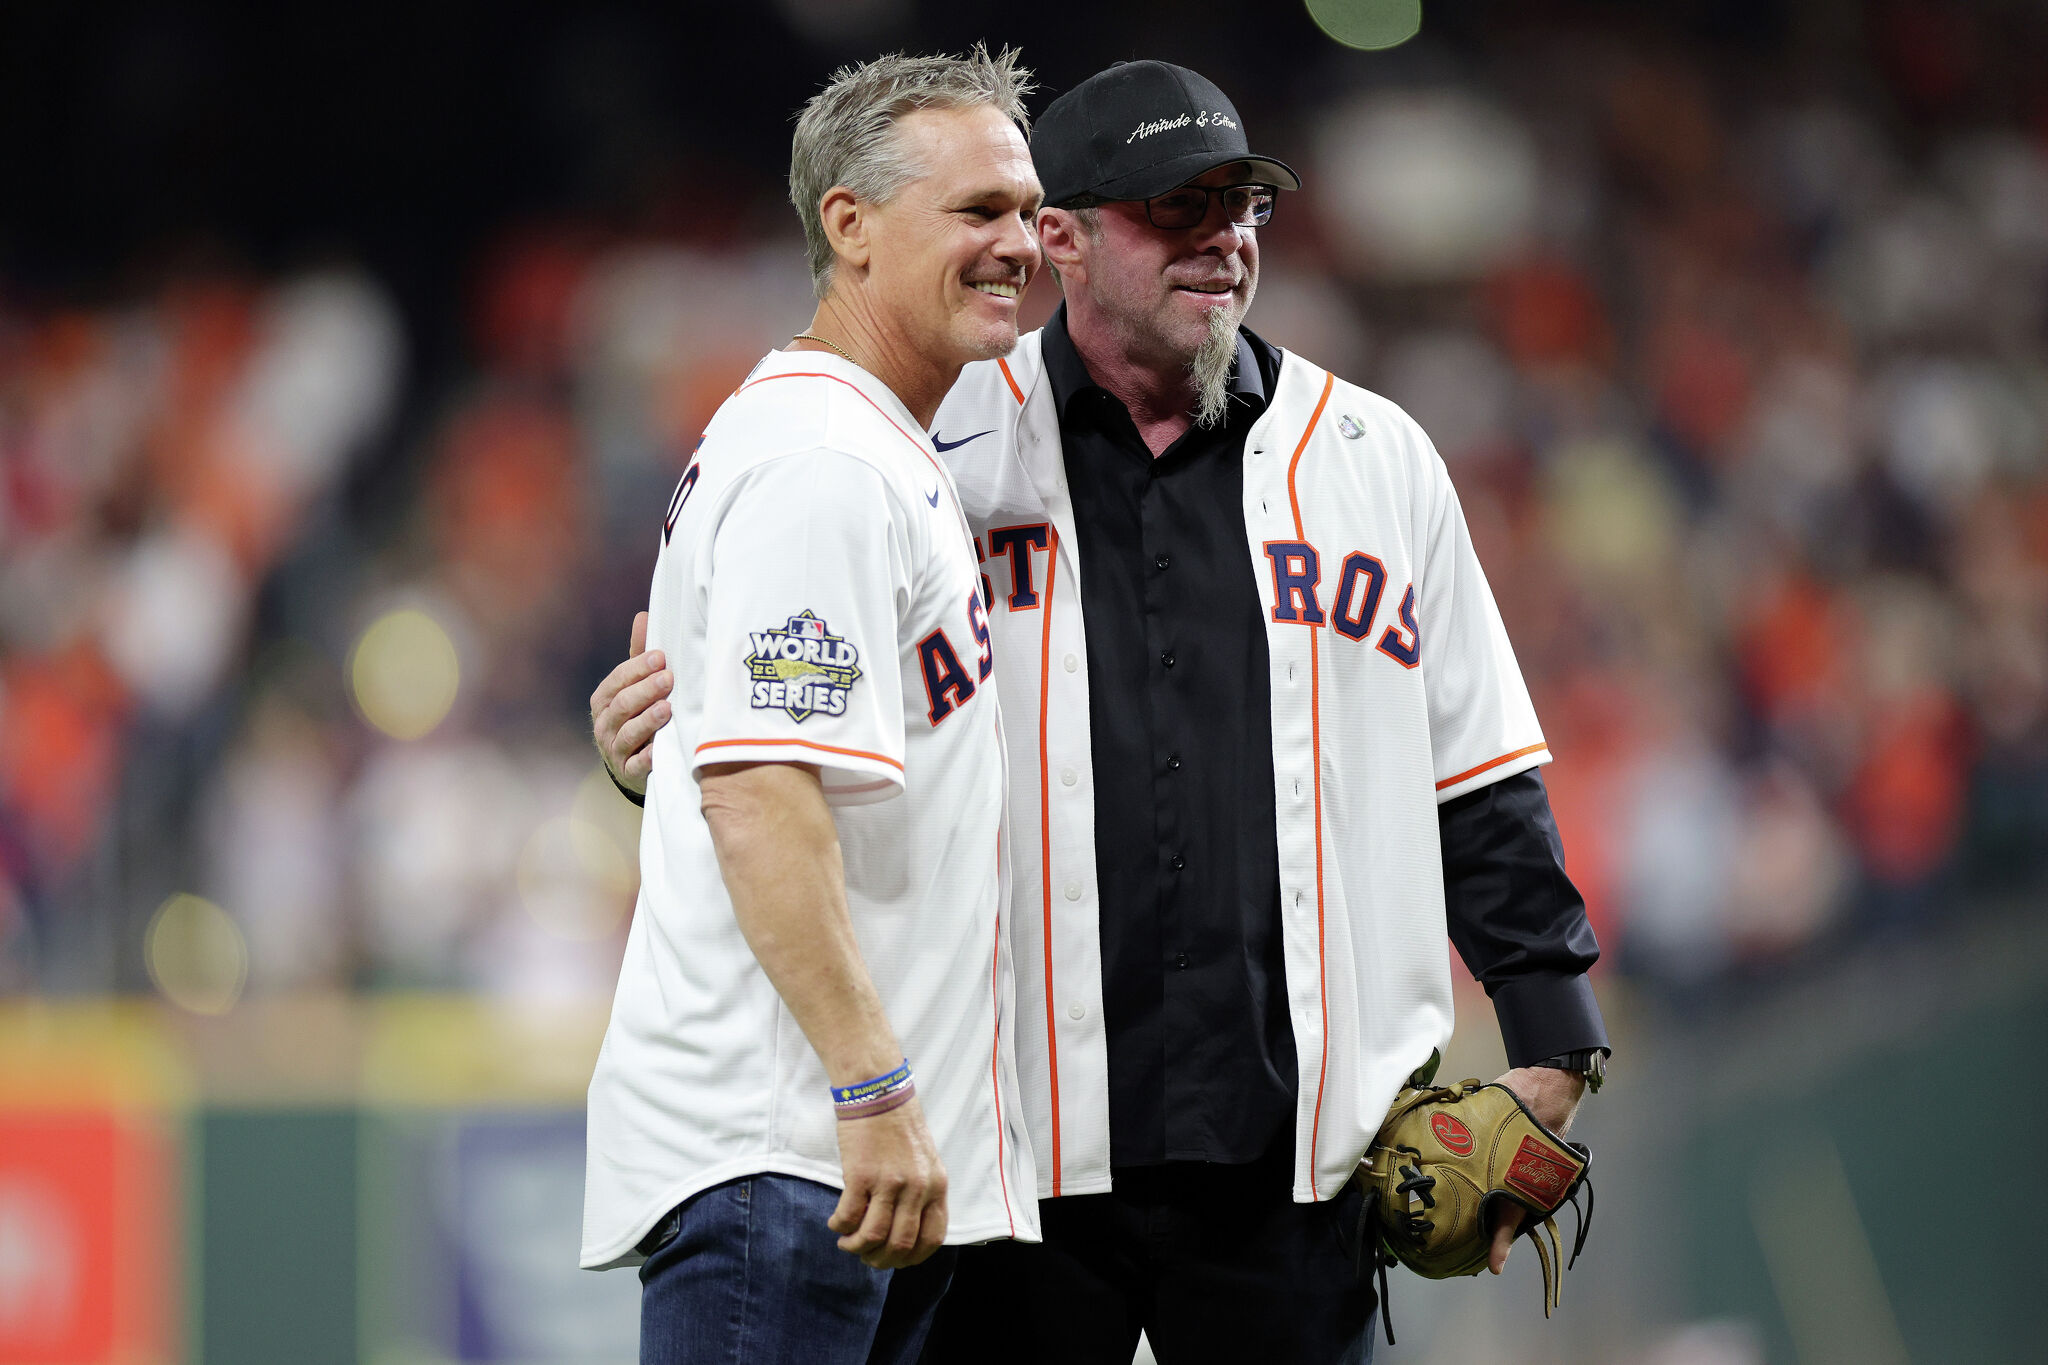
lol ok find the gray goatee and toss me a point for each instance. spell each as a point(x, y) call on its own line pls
point(1210, 369)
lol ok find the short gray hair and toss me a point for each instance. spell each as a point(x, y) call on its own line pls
point(846, 134)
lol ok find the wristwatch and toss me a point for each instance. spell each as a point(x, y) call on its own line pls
point(1589, 1064)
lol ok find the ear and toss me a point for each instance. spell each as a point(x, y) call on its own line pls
point(846, 227)
point(1060, 237)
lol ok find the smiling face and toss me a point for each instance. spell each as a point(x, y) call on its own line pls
point(1156, 288)
point(950, 252)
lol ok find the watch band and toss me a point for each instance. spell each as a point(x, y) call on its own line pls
point(1589, 1064)
point(636, 798)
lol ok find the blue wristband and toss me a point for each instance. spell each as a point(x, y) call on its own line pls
point(868, 1090)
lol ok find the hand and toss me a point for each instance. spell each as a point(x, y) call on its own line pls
point(628, 707)
point(892, 1212)
point(1553, 1097)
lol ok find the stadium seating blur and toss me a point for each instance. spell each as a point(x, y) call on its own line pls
point(1731, 323)
point(1741, 372)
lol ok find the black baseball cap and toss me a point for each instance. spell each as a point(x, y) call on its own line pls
point(1141, 129)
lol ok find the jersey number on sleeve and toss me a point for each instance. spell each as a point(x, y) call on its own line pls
point(684, 486)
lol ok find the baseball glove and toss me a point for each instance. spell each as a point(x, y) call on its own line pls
point(1439, 1164)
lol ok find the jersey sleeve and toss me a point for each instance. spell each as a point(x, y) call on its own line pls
point(808, 573)
point(1482, 725)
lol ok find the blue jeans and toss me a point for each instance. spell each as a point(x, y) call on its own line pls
point(747, 1273)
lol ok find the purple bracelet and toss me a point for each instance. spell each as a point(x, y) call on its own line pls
point(880, 1103)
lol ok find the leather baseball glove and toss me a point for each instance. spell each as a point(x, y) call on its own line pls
point(1443, 1159)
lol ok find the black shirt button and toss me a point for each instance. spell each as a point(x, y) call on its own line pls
point(1166, 657)
point(1173, 763)
point(1180, 960)
point(1179, 862)
point(1163, 562)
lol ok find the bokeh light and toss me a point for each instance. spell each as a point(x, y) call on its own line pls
point(597, 803)
point(574, 879)
point(403, 673)
point(196, 955)
point(1425, 186)
point(1373, 25)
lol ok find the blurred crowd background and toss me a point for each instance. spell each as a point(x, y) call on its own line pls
point(345, 369)
point(1731, 323)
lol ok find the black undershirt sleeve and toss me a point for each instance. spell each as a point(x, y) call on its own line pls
point(1517, 920)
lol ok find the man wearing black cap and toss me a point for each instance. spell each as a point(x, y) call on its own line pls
point(1280, 746)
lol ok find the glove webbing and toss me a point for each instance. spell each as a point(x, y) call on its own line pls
point(1552, 1257)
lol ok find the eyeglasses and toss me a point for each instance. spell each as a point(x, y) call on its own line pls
point(1188, 206)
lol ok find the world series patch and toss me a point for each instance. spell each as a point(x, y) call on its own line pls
point(802, 668)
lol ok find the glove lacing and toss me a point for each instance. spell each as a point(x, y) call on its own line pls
point(1420, 1186)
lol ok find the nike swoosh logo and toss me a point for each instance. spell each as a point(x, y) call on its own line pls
point(933, 496)
point(955, 445)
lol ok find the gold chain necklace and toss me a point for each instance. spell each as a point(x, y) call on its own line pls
point(812, 336)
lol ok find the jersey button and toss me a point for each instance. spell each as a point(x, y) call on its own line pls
point(1077, 1011)
point(1067, 776)
point(1072, 663)
point(1073, 891)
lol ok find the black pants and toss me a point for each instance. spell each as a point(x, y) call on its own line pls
point(1212, 1263)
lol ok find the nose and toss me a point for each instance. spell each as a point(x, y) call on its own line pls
point(1217, 233)
point(1018, 245)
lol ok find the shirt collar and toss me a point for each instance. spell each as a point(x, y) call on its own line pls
point(1070, 377)
point(834, 366)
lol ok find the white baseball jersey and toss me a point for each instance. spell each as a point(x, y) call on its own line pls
point(816, 595)
point(1393, 689)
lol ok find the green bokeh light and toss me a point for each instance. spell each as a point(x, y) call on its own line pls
point(1370, 24)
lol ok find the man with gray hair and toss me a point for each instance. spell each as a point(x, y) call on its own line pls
point(812, 1028)
point(1269, 746)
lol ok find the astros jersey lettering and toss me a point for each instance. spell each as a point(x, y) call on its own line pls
point(816, 595)
point(1394, 688)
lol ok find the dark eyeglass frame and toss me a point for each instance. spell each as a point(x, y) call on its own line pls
point(1253, 216)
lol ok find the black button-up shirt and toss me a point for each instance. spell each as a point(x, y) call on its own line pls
point(1202, 1062)
point(1201, 1052)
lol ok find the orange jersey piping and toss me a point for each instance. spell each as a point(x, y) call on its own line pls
point(1538, 747)
point(1052, 1047)
point(801, 744)
point(1011, 380)
point(1315, 712)
point(995, 1060)
point(923, 447)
